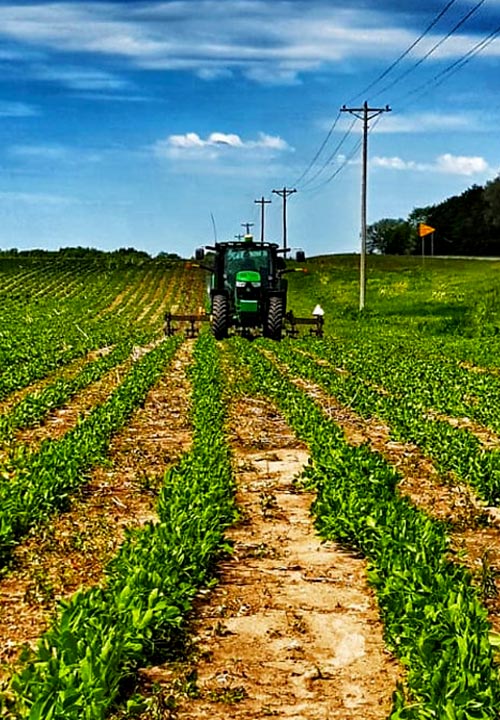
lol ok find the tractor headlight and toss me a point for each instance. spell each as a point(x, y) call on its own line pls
point(240, 283)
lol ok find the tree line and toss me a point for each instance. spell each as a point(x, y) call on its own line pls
point(466, 224)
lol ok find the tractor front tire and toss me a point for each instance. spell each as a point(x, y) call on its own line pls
point(220, 316)
point(274, 321)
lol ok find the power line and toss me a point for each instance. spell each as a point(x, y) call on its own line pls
point(345, 162)
point(262, 202)
point(432, 50)
point(320, 150)
point(332, 154)
point(405, 53)
point(341, 167)
point(247, 226)
point(451, 69)
point(308, 185)
point(363, 92)
point(365, 114)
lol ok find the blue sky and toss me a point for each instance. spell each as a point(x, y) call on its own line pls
point(129, 123)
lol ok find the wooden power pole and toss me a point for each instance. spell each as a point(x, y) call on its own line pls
point(284, 194)
point(365, 114)
point(247, 227)
point(262, 202)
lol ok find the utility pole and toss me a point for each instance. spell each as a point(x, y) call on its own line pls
point(284, 194)
point(262, 202)
point(365, 114)
point(239, 237)
point(247, 227)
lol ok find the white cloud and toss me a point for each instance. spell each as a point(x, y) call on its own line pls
point(426, 122)
point(446, 164)
point(393, 163)
point(213, 73)
point(78, 78)
point(42, 152)
point(113, 97)
point(17, 109)
point(271, 43)
point(189, 140)
point(191, 145)
point(51, 154)
point(29, 198)
point(231, 140)
point(461, 165)
point(268, 75)
point(273, 142)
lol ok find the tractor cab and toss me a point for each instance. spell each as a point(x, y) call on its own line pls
point(247, 274)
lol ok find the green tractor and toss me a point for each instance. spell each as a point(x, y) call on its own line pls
point(247, 288)
point(248, 292)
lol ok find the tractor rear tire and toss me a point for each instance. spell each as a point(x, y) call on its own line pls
point(274, 321)
point(220, 316)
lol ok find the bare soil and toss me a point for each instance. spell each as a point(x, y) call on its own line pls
point(488, 438)
point(161, 297)
point(61, 420)
point(71, 552)
point(66, 372)
point(292, 628)
point(474, 528)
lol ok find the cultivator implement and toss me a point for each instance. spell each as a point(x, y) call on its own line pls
point(291, 323)
point(191, 324)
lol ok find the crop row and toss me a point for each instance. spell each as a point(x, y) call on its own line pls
point(59, 280)
point(452, 449)
point(441, 384)
point(434, 621)
point(40, 336)
point(43, 481)
point(34, 407)
point(104, 634)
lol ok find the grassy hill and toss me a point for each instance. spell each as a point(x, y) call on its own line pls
point(403, 294)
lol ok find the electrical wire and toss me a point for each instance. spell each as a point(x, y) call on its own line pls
point(396, 62)
point(337, 172)
point(406, 52)
point(451, 69)
point(345, 162)
point(320, 150)
point(332, 155)
point(438, 79)
point(433, 49)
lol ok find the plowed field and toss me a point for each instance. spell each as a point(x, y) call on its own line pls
point(189, 528)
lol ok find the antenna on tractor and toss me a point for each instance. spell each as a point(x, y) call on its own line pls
point(214, 226)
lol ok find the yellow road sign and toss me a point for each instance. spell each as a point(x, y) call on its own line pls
point(424, 229)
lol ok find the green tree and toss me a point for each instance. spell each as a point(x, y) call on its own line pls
point(391, 236)
point(492, 202)
point(461, 224)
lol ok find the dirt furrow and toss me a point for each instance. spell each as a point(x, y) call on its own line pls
point(71, 551)
point(292, 629)
point(474, 527)
point(137, 298)
point(66, 372)
point(488, 438)
point(118, 300)
point(61, 420)
point(163, 283)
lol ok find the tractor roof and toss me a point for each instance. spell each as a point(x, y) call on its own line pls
point(242, 245)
